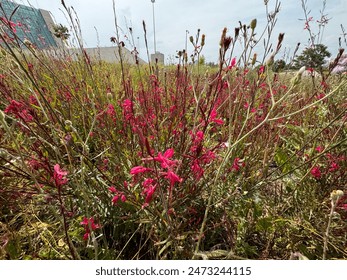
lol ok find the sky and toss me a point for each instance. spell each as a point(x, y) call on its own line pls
point(176, 20)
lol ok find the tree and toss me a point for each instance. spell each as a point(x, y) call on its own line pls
point(61, 32)
point(279, 65)
point(313, 57)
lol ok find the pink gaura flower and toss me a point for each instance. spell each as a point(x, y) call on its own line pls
point(199, 136)
point(213, 117)
point(110, 110)
point(319, 149)
point(148, 192)
point(10, 24)
point(334, 167)
point(173, 178)
point(138, 169)
point(19, 110)
point(320, 96)
point(128, 109)
point(197, 170)
point(232, 63)
point(118, 195)
point(315, 172)
point(261, 69)
point(237, 164)
point(59, 176)
point(89, 225)
point(164, 159)
point(208, 157)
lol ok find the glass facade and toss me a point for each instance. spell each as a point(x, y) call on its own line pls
point(27, 23)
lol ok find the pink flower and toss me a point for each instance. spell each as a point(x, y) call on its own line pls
point(237, 164)
point(149, 187)
point(315, 172)
point(149, 192)
point(59, 176)
point(213, 118)
point(110, 110)
point(118, 195)
point(165, 158)
point(208, 157)
point(197, 170)
point(320, 96)
point(89, 225)
point(173, 178)
point(232, 63)
point(199, 136)
point(127, 109)
point(19, 110)
point(261, 69)
point(319, 149)
point(10, 24)
point(333, 167)
point(138, 169)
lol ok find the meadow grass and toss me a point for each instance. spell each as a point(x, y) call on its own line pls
point(117, 161)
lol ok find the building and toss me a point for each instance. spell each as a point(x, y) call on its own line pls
point(108, 54)
point(157, 57)
point(35, 25)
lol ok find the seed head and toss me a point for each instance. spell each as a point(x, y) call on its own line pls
point(191, 39)
point(253, 24)
point(254, 59)
point(202, 40)
point(237, 32)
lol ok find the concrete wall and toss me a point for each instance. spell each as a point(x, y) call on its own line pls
point(111, 54)
point(157, 56)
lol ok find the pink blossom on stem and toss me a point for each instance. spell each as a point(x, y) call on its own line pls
point(118, 195)
point(89, 225)
point(197, 170)
point(138, 169)
point(148, 192)
point(315, 172)
point(213, 117)
point(237, 164)
point(173, 178)
point(232, 63)
point(319, 149)
point(334, 167)
point(59, 176)
point(165, 158)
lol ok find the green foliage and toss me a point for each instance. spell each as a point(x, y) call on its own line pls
point(61, 32)
point(312, 57)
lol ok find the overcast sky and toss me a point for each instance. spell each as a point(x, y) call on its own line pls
point(174, 17)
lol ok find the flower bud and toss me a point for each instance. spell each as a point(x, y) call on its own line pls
point(336, 195)
point(254, 59)
point(191, 39)
point(68, 123)
point(253, 24)
point(224, 33)
point(237, 32)
point(202, 40)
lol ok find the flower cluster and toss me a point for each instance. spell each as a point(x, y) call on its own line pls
point(89, 226)
point(59, 176)
point(19, 110)
point(167, 165)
